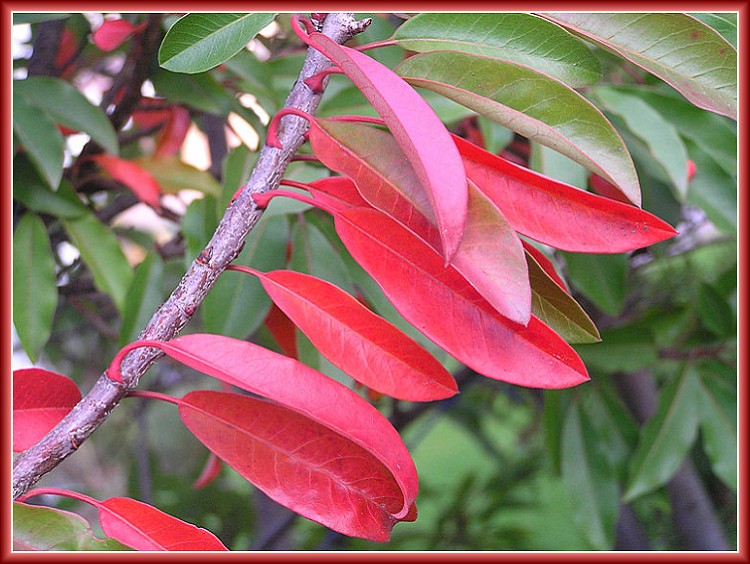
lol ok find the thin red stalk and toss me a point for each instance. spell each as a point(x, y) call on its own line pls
point(272, 136)
point(376, 45)
point(306, 158)
point(245, 269)
point(113, 372)
point(57, 491)
point(149, 394)
point(294, 184)
point(262, 199)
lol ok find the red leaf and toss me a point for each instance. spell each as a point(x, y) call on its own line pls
point(605, 188)
point(210, 472)
point(301, 464)
point(419, 132)
point(282, 330)
point(337, 192)
point(173, 135)
point(144, 527)
point(133, 177)
point(152, 112)
point(304, 390)
point(489, 255)
point(67, 48)
point(557, 214)
point(40, 401)
point(441, 304)
point(113, 33)
point(362, 344)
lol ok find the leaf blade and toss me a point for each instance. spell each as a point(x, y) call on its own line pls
point(296, 461)
point(559, 215)
point(377, 354)
point(199, 42)
point(402, 264)
point(67, 106)
point(489, 255)
point(517, 37)
point(40, 400)
point(419, 132)
point(101, 252)
point(40, 138)
point(532, 104)
point(144, 527)
point(685, 53)
point(257, 370)
point(34, 284)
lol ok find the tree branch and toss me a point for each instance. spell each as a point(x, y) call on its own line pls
point(226, 243)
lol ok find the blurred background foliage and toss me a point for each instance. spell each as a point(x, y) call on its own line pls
point(632, 460)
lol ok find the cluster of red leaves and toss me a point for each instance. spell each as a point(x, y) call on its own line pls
point(435, 220)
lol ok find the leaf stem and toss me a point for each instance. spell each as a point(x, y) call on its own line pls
point(376, 45)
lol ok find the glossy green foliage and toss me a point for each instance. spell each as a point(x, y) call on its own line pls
point(199, 42)
point(34, 285)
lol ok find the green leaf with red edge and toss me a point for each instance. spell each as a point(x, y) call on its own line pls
point(301, 389)
point(40, 401)
point(555, 307)
point(559, 215)
point(46, 529)
point(545, 263)
point(679, 49)
point(298, 462)
point(422, 136)
point(522, 38)
point(144, 527)
point(532, 104)
point(362, 344)
point(405, 267)
point(489, 255)
point(133, 177)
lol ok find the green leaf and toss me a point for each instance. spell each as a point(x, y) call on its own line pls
point(613, 426)
point(198, 225)
point(558, 166)
point(667, 436)
point(237, 304)
point(713, 134)
point(101, 252)
point(624, 349)
point(658, 134)
point(557, 308)
point(601, 278)
point(199, 42)
point(47, 529)
point(35, 17)
point(199, 91)
point(719, 419)
point(715, 313)
point(713, 190)
point(238, 165)
point(495, 136)
point(532, 104)
point(520, 38)
point(314, 255)
point(33, 192)
point(685, 53)
point(590, 478)
point(174, 175)
point(144, 296)
point(40, 138)
point(61, 101)
point(34, 285)
point(724, 23)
